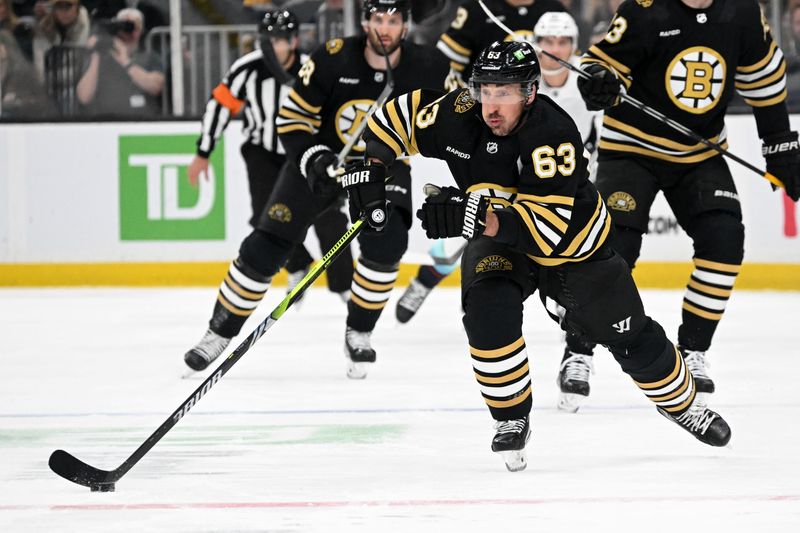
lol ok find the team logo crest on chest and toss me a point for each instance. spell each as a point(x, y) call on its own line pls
point(464, 102)
point(349, 118)
point(491, 147)
point(695, 79)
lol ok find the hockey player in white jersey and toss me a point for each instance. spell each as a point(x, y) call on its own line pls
point(556, 33)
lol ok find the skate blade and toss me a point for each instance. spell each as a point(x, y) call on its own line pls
point(515, 460)
point(570, 402)
point(357, 370)
point(189, 373)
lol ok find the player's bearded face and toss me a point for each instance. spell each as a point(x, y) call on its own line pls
point(502, 106)
point(387, 29)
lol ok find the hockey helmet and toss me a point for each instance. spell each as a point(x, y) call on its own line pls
point(557, 24)
point(387, 6)
point(280, 23)
point(505, 62)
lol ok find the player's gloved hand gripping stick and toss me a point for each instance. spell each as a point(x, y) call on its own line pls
point(73, 469)
point(788, 182)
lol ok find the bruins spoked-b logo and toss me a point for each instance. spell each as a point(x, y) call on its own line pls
point(621, 201)
point(349, 118)
point(695, 79)
point(493, 262)
point(280, 213)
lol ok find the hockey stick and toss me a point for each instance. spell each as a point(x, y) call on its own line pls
point(644, 107)
point(73, 469)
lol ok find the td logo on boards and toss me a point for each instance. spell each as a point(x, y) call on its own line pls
point(156, 201)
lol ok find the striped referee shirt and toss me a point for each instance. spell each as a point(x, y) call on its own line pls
point(248, 87)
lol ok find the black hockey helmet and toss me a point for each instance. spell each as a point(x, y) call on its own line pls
point(387, 6)
point(279, 23)
point(505, 62)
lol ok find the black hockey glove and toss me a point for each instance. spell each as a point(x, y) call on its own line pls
point(782, 153)
point(601, 91)
point(448, 212)
point(365, 183)
point(317, 165)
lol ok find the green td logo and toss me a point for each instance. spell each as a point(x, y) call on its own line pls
point(156, 201)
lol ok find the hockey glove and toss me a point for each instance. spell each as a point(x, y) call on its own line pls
point(317, 165)
point(782, 153)
point(601, 91)
point(365, 183)
point(448, 212)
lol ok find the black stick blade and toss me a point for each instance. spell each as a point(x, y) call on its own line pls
point(73, 469)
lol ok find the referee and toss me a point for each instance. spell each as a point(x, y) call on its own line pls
point(250, 88)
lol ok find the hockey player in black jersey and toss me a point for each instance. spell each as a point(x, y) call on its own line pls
point(251, 89)
point(685, 58)
point(335, 88)
point(533, 221)
point(471, 30)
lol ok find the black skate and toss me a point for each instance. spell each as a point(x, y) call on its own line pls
point(706, 425)
point(697, 362)
point(207, 350)
point(359, 353)
point(510, 440)
point(411, 300)
point(573, 380)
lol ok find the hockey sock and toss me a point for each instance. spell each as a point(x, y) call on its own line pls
point(372, 284)
point(493, 321)
point(239, 295)
point(704, 302)
point(657, 368)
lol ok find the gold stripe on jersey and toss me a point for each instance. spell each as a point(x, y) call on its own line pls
point(770, 101)
point(583, 234)
point(398, 126)
point(537, 238)
point(297, 99)
point(415, 98)
point(549, 199)
point(377, 128)
point(560, 260)
point(763, 82)
point(286, 113)
point(453, 45)
point(458, 67)
point(616, 65)
point(548, 215)
point(761, 63)
point(653, 139)
point(294, 127)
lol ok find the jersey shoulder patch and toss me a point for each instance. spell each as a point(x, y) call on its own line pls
point(334, 46)
point(464, 102)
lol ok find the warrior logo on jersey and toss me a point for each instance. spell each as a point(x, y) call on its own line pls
point(349, 118)
point(621, 201)
point(695, 79)
point(464, 102)
point(493, 262)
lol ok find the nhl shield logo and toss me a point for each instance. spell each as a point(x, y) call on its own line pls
point(702, 18)
point(491, 147)
point(379, 77)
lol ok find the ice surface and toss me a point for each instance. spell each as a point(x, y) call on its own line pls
point(286, 443)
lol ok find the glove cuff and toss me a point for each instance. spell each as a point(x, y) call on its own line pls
point(310, 154)
point(474, 216)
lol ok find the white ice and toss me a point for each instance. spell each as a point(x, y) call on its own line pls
point(286, 443)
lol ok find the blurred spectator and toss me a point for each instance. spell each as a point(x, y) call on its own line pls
point(121, 80)
point(66, 24)
point(103, 9)
point(327, 16)
point(584, 27)
point(36, 9)
point(21, 93)
point(22, 31)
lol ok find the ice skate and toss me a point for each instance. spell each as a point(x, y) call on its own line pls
point(510, 440)
point(359, 353)
point(411, 301)
point(697, 362)
point(206, 351)
point(706, 425)
point(573, 380)
point(293, 280)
